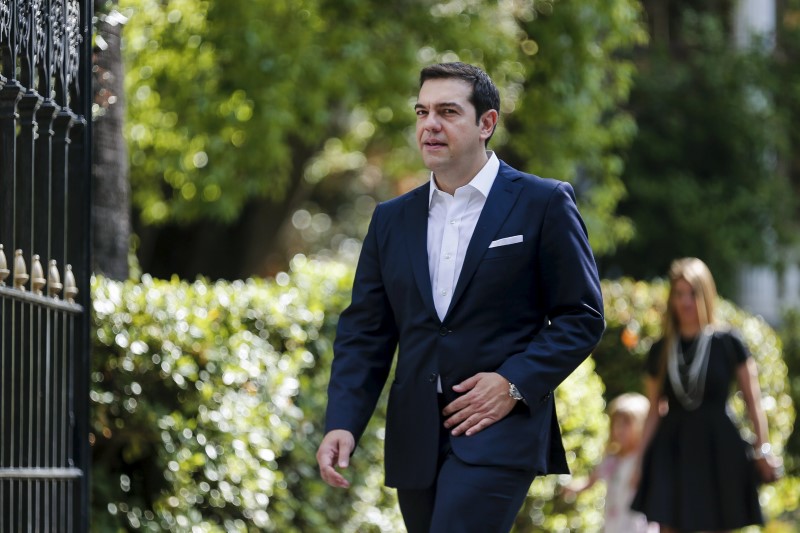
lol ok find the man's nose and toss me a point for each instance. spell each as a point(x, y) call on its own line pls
point(432, 122)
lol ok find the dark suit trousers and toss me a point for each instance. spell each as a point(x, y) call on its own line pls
point(465, 498)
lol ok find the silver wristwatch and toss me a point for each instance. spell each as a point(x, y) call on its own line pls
point(514, 392)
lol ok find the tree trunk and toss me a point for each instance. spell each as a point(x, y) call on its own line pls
point(252, 245)
point(111, 221)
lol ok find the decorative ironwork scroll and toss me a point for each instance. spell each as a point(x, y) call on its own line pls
point(58, 30)
point(5, 20)
point(23, 24)
point(74, 40)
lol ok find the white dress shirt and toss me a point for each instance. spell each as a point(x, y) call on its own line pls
point(451, 222)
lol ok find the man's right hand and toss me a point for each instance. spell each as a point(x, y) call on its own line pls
point(334, 451)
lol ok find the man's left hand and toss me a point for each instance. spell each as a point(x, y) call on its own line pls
point(485, 401)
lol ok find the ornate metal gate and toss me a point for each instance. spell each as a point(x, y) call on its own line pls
point(45, 177)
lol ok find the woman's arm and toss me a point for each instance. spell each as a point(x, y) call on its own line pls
point(747, 376)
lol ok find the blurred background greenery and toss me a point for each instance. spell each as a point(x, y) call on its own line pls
point(209, 400)
point(241, 146)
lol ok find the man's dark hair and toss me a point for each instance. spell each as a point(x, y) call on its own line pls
point(484, 93)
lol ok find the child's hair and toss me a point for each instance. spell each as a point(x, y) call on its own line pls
point(632, 405)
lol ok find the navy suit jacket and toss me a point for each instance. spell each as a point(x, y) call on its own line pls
point(530, 311)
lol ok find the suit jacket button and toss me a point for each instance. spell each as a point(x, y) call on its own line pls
point(432, 377)
point(443, 331)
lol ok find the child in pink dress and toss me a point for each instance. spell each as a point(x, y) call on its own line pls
point(627, 414)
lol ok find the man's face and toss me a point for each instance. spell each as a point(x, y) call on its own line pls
point(448, 134)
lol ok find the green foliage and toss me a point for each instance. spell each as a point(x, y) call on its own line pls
point(201, 409)
point(231, 100)
point(633, 312)
point(701, 174)
point(786, 88)
point(569, 122)
point(563, 85)
point(236, 100)
point(633, 316)
point(208, 403)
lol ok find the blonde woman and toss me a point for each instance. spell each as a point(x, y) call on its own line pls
point(695, 472)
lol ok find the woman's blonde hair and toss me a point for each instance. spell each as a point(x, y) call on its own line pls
point(695, 273)
point(698, 276)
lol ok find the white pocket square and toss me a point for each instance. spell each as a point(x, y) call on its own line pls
point(505, 241)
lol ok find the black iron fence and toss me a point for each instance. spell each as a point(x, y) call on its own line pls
point(45, 177)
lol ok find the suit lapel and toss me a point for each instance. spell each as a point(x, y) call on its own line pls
point(416, 220)
point(501, 199)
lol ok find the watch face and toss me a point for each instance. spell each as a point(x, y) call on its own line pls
point(513, 392)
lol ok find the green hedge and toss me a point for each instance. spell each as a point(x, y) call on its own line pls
point(208, 401)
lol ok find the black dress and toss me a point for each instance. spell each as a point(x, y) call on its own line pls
point(695, 473)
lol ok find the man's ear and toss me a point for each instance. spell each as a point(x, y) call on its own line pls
point(488, 122)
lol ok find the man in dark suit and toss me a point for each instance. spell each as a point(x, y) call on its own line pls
point(484, 279)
